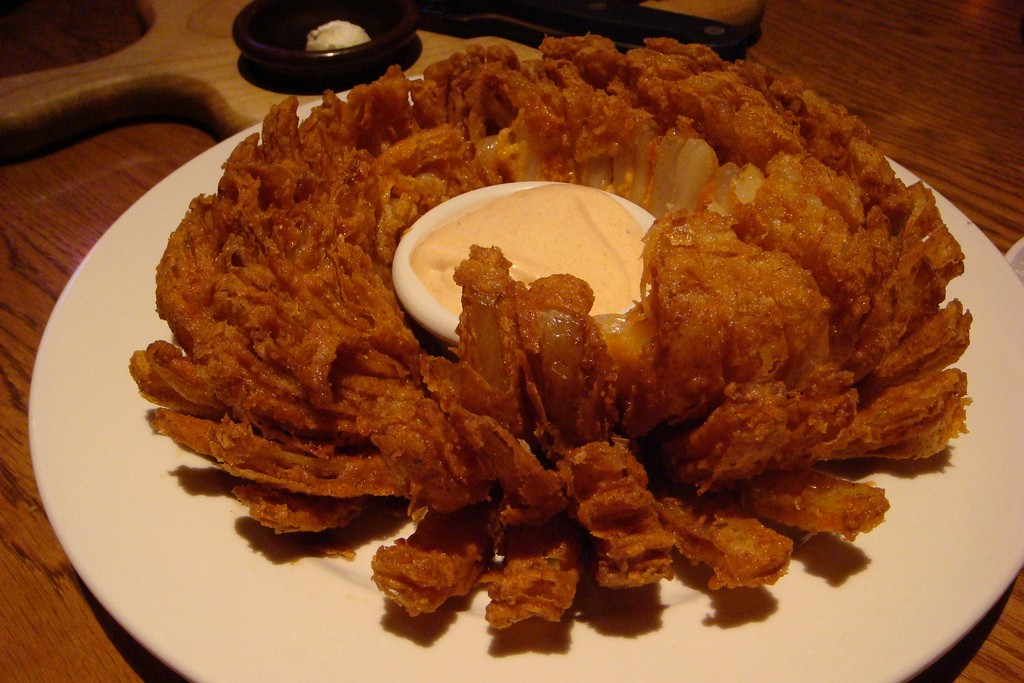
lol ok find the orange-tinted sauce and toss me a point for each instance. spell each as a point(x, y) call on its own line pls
point(549, 229)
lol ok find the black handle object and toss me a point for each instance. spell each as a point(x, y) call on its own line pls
point(529, 21)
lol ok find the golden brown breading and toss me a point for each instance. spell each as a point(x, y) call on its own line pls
point(288, 512)
point(608, 489)
point(541, 568)
point(815, 215)
point(301, 467)
point(912, 420)
point(441, 559)
point(479, 90)
point(712, 530)
point(937, 343)
point(723, 312)
point(413, 175)
point(569, 375)
point(815, 501)
point(530, 492)
point(424, 453)
point(522, 350)
point(793, 309)
point(489, 374)
point(274, 337)
point(762, 426)
point(930, 256)
point(167, 378)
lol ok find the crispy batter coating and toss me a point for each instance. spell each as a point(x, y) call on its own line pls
point(937, 343)
point(442, 558)
point(425, 455)
point(167, 378)
point(542, 566)
point(566, 357)
point(815, 501)
point(714, 531)
point(806, 210)
point(761, 426)
point(489, 374)
point(610, 498)
point(531, 493)
point(912, 420)
point(723, 312)
point(294, 465)
point(794, 309)
point(286, 512)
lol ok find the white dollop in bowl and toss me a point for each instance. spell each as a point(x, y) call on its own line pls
point(414, 295)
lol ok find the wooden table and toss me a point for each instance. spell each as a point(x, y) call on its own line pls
point(940, 82)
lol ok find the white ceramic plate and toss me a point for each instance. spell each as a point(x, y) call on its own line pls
point(154, 537)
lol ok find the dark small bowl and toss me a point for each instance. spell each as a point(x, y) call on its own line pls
point(272, 37)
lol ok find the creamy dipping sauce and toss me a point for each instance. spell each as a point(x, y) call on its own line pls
point(335, 35)
point(548, 229)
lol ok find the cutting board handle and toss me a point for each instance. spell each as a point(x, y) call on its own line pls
point(184, 66)
point(44, 108)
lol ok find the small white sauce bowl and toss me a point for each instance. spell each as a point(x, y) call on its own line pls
point(414, 296)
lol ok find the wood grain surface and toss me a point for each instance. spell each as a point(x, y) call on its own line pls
point(182, 62)
point(940, 82)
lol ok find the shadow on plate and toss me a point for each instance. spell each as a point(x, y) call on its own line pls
point(532, 635)
point(628, 613)
point(617, 613)
point(731, 607)
point(622, 613)
point(379, 523)
point(831, 558)
point(204, 481)
point(863, 468)
point(424, 629)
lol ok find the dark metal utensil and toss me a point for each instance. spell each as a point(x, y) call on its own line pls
point(625, 23)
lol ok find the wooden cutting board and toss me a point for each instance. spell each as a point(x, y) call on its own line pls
point(186, 66)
